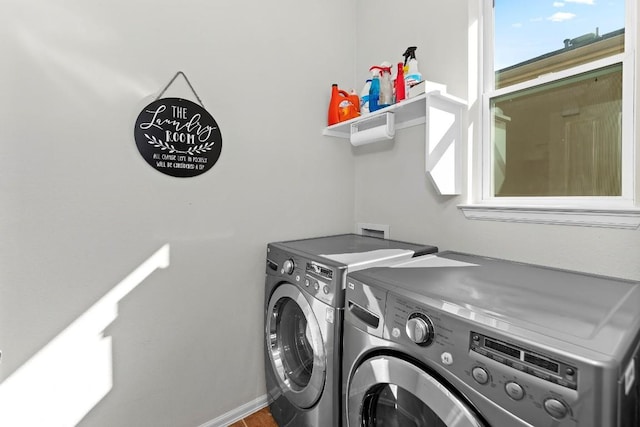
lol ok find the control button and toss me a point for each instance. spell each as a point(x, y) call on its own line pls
point(555, 408)
point(306, 282)
point(476, 338)
point(326, 290)
point(316, 286)
point(287, 267)
point(514, 390)
point(480, 375)
point(570, 371)
point(447, 358)
point(395, 332)
point(297, 278)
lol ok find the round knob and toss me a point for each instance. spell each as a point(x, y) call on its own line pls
point(288, 266)
point(419, 329)
point(555, 408)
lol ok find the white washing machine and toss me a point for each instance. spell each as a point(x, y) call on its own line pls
point(467, 341)
point(304, 306)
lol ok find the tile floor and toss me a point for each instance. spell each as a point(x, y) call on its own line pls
point(262, 418)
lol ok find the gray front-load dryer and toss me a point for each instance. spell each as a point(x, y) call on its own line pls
point(460, 340)
point(304, 305)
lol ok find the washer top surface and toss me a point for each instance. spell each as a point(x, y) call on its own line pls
point(595, 312)
point(356, 251)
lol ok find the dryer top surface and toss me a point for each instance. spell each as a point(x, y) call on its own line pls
point(595, 312)
point(353, 250)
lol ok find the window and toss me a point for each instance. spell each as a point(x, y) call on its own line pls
point(561, 138)
point(558, 124)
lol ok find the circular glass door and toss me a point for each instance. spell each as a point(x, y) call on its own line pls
point(391, 392)
point(295, 345)
point(392, 405)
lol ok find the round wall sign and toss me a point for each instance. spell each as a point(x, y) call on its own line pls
point(178, 137)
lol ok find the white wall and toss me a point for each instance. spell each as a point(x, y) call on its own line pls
point(391, 186)
point(80, 210)
point(94, 332)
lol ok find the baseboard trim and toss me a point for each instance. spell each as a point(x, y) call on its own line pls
point(239, 413)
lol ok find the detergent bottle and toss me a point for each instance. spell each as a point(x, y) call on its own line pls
point(411, 73)
point(385, 97)
point(341, 106)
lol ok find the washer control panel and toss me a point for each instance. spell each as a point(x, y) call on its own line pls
point(318, 279)
point(315, 278)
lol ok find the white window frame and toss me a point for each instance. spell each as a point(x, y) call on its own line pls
point(617, 212)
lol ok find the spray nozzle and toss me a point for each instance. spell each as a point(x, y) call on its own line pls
point(380, 69)
point(410, 53)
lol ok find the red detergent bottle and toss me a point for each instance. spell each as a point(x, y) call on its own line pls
point(341, 106)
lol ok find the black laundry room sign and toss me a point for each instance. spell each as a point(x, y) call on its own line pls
point(178, 137)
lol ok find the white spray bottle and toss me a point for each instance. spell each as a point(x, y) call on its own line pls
point(386, 85)
point(411, 73)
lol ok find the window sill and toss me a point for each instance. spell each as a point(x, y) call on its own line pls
point(608, 218)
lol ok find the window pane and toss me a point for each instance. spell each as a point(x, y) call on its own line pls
point(560, 139)
point(533, 38)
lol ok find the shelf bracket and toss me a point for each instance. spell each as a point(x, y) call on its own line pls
point(444, 143)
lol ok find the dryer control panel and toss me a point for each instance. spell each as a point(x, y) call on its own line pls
point(534, 386)
point(525, 360)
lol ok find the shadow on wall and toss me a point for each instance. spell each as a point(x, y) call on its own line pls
point(61, 383)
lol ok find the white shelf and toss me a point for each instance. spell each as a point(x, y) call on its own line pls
point(443, 116)
point(409, 112)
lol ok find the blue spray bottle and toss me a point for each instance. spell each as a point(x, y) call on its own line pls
point(385, 86)
point(374, 90)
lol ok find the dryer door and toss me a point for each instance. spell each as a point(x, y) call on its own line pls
point(295, 346)
point(389, 391)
